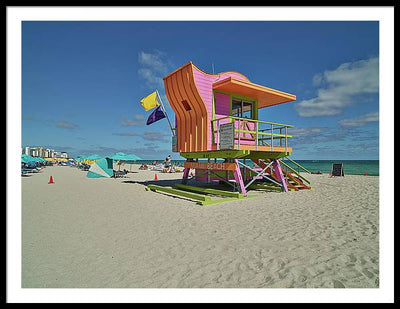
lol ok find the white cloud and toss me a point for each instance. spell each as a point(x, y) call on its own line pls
point(156, 61)
point(153, 67)
point(148, 136)
point(360, 121)
point(301, 132)
point(156, 136)
point(137, 120)
point(126, 134)
point(66, 125)
point(340, 87)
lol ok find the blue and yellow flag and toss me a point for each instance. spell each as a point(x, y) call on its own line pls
point(150, 101)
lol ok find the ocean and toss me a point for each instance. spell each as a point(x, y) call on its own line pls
point(351, 167)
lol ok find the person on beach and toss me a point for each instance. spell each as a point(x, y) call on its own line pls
point(167, 164)
point(143, 167)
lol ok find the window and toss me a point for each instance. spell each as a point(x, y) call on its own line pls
point(247, 110)
point(186, 105)
point(236, 108)
point(242, 109)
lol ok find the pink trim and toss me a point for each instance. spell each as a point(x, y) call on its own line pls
point(185, 175)
point(239, 179)
point(279, 174)
point(204, 83)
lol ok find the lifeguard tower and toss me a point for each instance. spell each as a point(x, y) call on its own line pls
point(216, 119)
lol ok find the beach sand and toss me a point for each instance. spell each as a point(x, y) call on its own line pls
point(112, 233)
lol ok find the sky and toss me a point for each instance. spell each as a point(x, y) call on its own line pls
point(82, 81)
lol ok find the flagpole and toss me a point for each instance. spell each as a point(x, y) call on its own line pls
point(165, 112)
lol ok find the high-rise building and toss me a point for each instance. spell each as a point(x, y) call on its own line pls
point(25, 150)
point(49, 153)
point(39, 151)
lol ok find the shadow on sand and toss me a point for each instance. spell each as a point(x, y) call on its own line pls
point(166, 182)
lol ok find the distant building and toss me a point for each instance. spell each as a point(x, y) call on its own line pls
point(49, 153)
point(61, 154)
point(34, 152)
point(39, 151)
point(25, 150)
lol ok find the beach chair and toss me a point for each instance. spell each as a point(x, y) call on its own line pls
point(118, 174)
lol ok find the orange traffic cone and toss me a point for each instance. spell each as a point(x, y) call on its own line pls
point(51, 180)
point(155, 177)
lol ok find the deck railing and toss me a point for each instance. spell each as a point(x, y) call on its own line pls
point(253, 132)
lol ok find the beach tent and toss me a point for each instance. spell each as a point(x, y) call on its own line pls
point(101, 168)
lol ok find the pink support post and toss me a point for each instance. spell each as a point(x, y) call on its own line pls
point(185, 175)
point(279, 174)
point(239, 179)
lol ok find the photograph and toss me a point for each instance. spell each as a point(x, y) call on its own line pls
point(198, 154)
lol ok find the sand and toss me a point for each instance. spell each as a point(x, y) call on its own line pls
point(112, 233)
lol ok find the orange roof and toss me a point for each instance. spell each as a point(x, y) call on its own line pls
point(265, 96)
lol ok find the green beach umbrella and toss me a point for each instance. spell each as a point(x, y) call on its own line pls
point(27, 159)
point(101, 168)
point(119, 156)
point(133, 157)
point(24, 159)
point(124, 157)
point(93, 157)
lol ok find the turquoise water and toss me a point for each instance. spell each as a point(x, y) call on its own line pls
point(351, 167)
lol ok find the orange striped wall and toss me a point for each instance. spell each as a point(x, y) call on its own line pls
point(192, 125)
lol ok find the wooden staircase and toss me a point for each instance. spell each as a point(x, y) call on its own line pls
point(295, 181)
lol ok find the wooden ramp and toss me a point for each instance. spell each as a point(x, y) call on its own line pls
point(200, 195)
